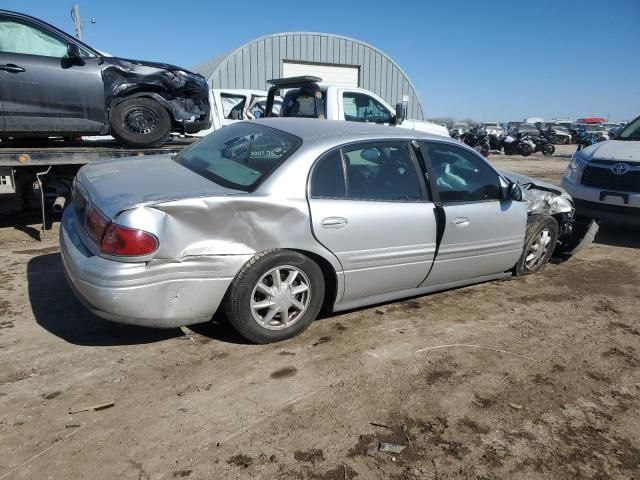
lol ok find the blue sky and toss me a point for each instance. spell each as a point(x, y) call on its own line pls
point(489, 60)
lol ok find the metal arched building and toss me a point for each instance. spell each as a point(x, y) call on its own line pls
point(334, 58)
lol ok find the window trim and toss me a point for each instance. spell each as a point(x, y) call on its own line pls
point(433, 180)
point(424, 191)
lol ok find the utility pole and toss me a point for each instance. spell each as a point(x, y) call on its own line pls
point(77, 21)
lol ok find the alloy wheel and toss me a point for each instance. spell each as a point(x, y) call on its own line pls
point(280, 298)
point(538, 250)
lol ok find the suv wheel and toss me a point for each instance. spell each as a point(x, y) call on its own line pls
point(275, 296)
point(539, 243)
point(140, 122)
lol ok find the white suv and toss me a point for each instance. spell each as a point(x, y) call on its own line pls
point(604, 179)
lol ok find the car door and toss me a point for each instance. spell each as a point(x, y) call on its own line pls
point(41, 89)
point(369, 206)
point(483, 231)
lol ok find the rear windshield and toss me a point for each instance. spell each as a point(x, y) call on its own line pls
point(239, 156)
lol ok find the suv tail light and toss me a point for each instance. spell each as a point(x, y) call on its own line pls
point(119, 240)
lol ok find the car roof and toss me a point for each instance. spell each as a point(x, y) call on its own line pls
point(309, 129)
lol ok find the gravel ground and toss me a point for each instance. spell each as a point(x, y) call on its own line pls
point(537, 377)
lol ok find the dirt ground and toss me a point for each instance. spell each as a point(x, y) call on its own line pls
point(530, 378)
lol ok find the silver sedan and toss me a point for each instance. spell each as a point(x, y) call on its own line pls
point(274, 219)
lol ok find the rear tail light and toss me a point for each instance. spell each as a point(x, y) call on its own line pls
point(119, 240)
point(95, 223)
point(115, 239)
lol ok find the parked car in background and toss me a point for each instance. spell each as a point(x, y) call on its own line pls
point(560, 135)
point(53, 85)
point(232, 105)
point(309, 97)
point(493, 128)
point(604, 179)
point(527, 129)
point(273, 219)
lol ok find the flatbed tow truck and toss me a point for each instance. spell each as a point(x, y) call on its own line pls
point(38, 174)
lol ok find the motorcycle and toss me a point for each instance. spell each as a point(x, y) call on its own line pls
point(543, 144)
point(477, 139)
point(586, 139)
point(517, 144)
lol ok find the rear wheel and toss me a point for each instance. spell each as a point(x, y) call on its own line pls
point(548, 149)
point(140, 122)
point(525, 150)
point(539, 243)
point(275, 296)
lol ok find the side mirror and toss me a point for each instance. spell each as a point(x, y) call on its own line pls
point(514, 192)
point(73, 52)
point(401, 113)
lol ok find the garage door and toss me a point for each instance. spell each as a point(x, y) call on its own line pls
point(342, 76)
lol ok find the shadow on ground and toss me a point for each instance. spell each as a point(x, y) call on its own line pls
point(58, 311)
point(619, 236)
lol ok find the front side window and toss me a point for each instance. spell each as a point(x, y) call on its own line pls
point(240, 155)
point(461, 175)
point(359, 107)
point(18, 37)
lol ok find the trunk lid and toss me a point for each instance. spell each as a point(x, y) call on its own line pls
point(120, 184)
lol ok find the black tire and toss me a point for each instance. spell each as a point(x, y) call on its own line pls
point(525, 150)
point(141, 123)
point(536, 225)
point(547, 150)
point(244, 289)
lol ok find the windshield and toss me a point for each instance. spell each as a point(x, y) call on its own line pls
point(239, 156)
point(631, 131)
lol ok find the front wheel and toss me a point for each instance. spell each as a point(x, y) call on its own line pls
point(539, 243)
point(525, 150)
point(548, 150)
point(275, 296)
point(140, 123)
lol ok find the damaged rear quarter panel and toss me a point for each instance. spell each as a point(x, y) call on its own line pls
point(184, 94)
point(226, 225)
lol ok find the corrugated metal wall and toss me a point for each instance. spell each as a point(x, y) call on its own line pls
point(256, 62)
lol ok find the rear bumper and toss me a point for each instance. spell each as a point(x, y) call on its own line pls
point(591, 202)
point(160, 294)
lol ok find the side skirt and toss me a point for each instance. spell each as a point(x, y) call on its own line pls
point(412, 292)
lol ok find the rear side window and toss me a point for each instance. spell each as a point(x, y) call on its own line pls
point(461, 175)
point(18, 37)
point(327, 178)
point(240, 155)
point(380, 171)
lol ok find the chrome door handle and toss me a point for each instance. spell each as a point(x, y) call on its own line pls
point(10, 67)
point(461, 222)
point(334, 222)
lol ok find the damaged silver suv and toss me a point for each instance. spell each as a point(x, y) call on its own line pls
point(74, 89)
